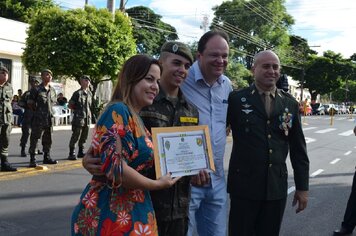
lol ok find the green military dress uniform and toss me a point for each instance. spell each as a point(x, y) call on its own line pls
point(41, 100)
point(257, 169)
point(80, 103)
point(6, 119)
point(172, 204)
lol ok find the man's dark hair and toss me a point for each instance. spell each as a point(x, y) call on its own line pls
point(207, 36)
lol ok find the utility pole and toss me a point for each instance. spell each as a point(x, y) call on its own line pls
point(111, 6)
point(122, 6)
point(86, 2)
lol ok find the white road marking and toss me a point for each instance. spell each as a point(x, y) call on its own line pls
point(323, 131)
point(335, 161)
point(346, 133)
point(309, 140)
point(316, 173)
point(291, 190)
point(347, 153)
point(309, 128)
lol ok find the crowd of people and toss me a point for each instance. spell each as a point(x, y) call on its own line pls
point(124, 197)
point(34, 110)
point(200, 93)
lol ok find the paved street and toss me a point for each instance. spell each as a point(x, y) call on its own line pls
point(40, 202)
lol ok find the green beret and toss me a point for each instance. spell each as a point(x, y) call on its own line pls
point(47, 70)
point(3, 68)
point(178, 48)
point(85, 77)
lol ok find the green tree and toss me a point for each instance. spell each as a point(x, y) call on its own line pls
point(324, 74)
point(254, 26)
point(149, 31)
point(76, 42)
point(23, 10)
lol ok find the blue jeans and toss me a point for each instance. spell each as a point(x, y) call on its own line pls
point(208, 210)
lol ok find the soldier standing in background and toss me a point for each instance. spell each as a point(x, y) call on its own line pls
point(80, 103)
point(6, 93)
point(27, 120)
point(41, 101)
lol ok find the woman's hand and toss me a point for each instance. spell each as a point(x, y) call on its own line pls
point(91, 164)
point(166, 181)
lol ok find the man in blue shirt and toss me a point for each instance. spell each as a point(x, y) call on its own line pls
point(208, 89)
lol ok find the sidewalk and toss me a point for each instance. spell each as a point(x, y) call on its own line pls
point(59, 152)
point(17, 130)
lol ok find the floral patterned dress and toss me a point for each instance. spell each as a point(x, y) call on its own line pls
point(105, 207)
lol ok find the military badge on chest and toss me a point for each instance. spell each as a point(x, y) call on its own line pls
point(246, 111)
point(286, 121)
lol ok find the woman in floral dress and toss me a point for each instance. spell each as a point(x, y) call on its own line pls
point(118, 203)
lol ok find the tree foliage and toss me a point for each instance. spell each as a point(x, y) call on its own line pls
point(76, 42)
point(23, 10)
point(325, 74)
point(254, 26)
point(149, 31)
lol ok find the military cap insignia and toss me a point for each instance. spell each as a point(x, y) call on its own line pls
point(175, 48)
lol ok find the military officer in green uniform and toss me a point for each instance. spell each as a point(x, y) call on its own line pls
point(170, 108)
point(80, 103)
point(28, 114)
point(265, 125)
point(6, 117)
point(41, 100)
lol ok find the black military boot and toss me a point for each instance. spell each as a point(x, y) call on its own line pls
point(32, 161)
point(81, 153)
point(48, 160)
point(71, 155)
point(6, 166)
point(39, 152)
point(23, 152)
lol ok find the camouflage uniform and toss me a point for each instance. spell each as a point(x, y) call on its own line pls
point(171, 205)
point(6, 116)
point(80, 103)
point(41, 100)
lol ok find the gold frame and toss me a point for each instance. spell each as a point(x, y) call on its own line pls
point(183, 131)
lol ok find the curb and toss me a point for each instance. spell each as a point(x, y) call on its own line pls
point(23, 172)
point(18, 130)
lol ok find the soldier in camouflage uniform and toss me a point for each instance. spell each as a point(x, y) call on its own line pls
point(41, 101)
point(80, 103)
point(170, 108)
point(6, 93)
point(27, 120)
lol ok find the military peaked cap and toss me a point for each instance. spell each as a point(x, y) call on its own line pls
point(179, 49)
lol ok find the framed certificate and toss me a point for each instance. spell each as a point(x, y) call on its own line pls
point(183, 150)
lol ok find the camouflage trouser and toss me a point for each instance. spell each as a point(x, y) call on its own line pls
point(38, 132)
point(81, 133)
point(25, 133)
point(5, 131)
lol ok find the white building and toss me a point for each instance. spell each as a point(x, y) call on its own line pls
point(12, 42)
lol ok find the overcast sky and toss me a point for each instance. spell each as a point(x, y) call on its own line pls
point(329, 24)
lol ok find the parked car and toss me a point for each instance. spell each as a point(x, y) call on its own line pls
point(331, 109)
point(321, 110)
point(343, 109)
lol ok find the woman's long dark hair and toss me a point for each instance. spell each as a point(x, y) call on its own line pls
point(133, 71)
